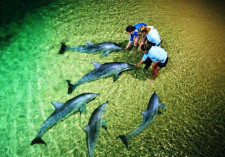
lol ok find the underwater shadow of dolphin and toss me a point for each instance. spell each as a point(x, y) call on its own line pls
point(94, 126)
point(62, 111)
point(105, 47)
point(101, 71)
point(148, 117)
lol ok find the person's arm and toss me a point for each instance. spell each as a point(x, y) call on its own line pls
point(142, 42)
point(143, 59)
point(128, 45)
point(130, 41)
point(138, 65)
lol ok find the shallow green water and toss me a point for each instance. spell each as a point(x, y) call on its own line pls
point(192, 86)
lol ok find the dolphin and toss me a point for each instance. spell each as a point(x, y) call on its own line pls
point(105, 47)
point(100, 71)
point(62, 111)
point(94, 126)
point(149, 115)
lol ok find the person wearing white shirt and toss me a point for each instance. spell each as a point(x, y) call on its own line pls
point(151, 34)
point(157, 54)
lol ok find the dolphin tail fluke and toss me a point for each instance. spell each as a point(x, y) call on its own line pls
point(38, 140)
point(63, 48)
point(124, 139)
point(71, 87)
point(162, 106)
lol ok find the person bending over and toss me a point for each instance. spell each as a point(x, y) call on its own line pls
point(133, 32)
point(158, 56)
point(151, 34)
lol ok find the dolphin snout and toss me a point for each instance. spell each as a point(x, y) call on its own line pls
point(97, 94)
point(103, 107)
point(130, 66)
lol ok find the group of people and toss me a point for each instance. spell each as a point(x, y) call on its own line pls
point(151, 49)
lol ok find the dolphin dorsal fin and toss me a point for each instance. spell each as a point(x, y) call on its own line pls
point(96, 64)
point(89, 43)
point(116, 76)
point(57, 105)
point(87, 128)
point(144, 113)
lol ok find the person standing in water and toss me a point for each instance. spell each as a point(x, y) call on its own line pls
point(151, 34)
point(133, 32)
point(157, 54)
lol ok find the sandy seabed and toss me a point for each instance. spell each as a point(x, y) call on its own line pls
point(192, 86)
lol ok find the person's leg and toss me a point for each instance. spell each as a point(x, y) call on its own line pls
point(154, 65)
point(147, 63)
point(156, 71)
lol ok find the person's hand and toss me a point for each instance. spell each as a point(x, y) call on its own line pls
point(137, 65)
point(139, 48)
